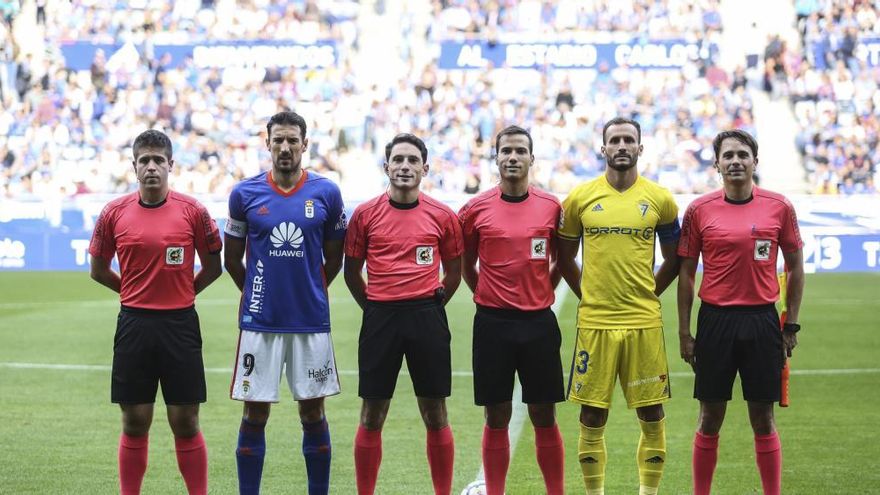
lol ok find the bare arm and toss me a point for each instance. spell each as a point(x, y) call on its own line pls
point(555, 274)
point(210, 271)
point(233, 259)
point(668, 269)
point(566, 264)
point(794, 292)
point(332, 259)
point(451, 277)
point(100, 271)
point(686, 273)
point(469, 269)
point(354, 279)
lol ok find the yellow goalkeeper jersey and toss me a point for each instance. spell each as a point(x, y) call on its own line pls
point(618, 230)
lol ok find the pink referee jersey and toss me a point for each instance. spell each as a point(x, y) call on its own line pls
point(156, 247)
point(513, 241)
point(739, 242)
point(403, 246)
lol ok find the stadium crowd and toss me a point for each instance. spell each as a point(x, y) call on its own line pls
point(662, 19)
point(835, 94)
point(67, 132)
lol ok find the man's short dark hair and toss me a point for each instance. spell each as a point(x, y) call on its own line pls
point(510, 131)
point(287, 118)
point(407, 138)
point(152, 138)
point(738, 134)
point(622, 121)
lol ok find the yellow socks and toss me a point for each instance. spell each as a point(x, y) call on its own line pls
point(651, 455)
point(592, 458)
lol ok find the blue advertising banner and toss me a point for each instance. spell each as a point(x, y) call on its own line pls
point(665, 54)
point(78, 55)
point(841, 253)
point(841, 234)
point(54, 249)
point(868, 51)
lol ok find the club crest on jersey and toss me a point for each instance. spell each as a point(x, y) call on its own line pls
point(424, 255)
point(643, 208)
point(174, 255)
point(310, 208)
point(762, 249)
point(539, 248)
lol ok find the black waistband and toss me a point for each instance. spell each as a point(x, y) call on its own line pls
point(758, 308)
point(513, 314)
point(157, 312)
point(404, 303)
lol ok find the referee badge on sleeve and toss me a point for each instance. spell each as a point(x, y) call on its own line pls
point(424, 255)
point(762, 249)
point(174, 256)
point(539, 248)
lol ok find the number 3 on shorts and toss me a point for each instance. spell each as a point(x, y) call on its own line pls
point(582, 358)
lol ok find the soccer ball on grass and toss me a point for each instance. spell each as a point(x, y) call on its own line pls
point(475, 488)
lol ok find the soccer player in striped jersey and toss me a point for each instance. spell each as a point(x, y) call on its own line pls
point(511, 230)
point(620, 329)
point(290, 224)
point(403, 236)
point(155, 233)
point(739, 232)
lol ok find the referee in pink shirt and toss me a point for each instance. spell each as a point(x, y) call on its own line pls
point(403, 236)
point(738, 231)
point(510, 229)
point(155, 233)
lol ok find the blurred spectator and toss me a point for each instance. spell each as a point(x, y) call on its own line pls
point(98, 71)
point(8, 10)
point(70, 133)
point(23, 75)
point(7, 63)
point(836, 97)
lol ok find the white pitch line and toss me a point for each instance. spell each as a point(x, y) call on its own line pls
point(674, 374)
point(106, 367)
point(59, 367)
point(518, 416)
point(842, 371)
point(109, 303)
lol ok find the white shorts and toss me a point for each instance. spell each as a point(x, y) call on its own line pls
point(262, 357)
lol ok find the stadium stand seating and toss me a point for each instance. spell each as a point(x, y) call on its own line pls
point(836, 96)
point(66, 132)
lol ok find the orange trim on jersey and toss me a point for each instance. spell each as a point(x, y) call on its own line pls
point(299, 183)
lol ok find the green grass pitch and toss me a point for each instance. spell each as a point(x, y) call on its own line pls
point(58, 430)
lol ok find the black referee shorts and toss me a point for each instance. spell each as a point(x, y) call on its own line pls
point(744, 339)
point(415, 329)
point(153, 347)
point(509, 341)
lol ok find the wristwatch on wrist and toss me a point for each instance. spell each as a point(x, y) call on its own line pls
point(791, 328)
